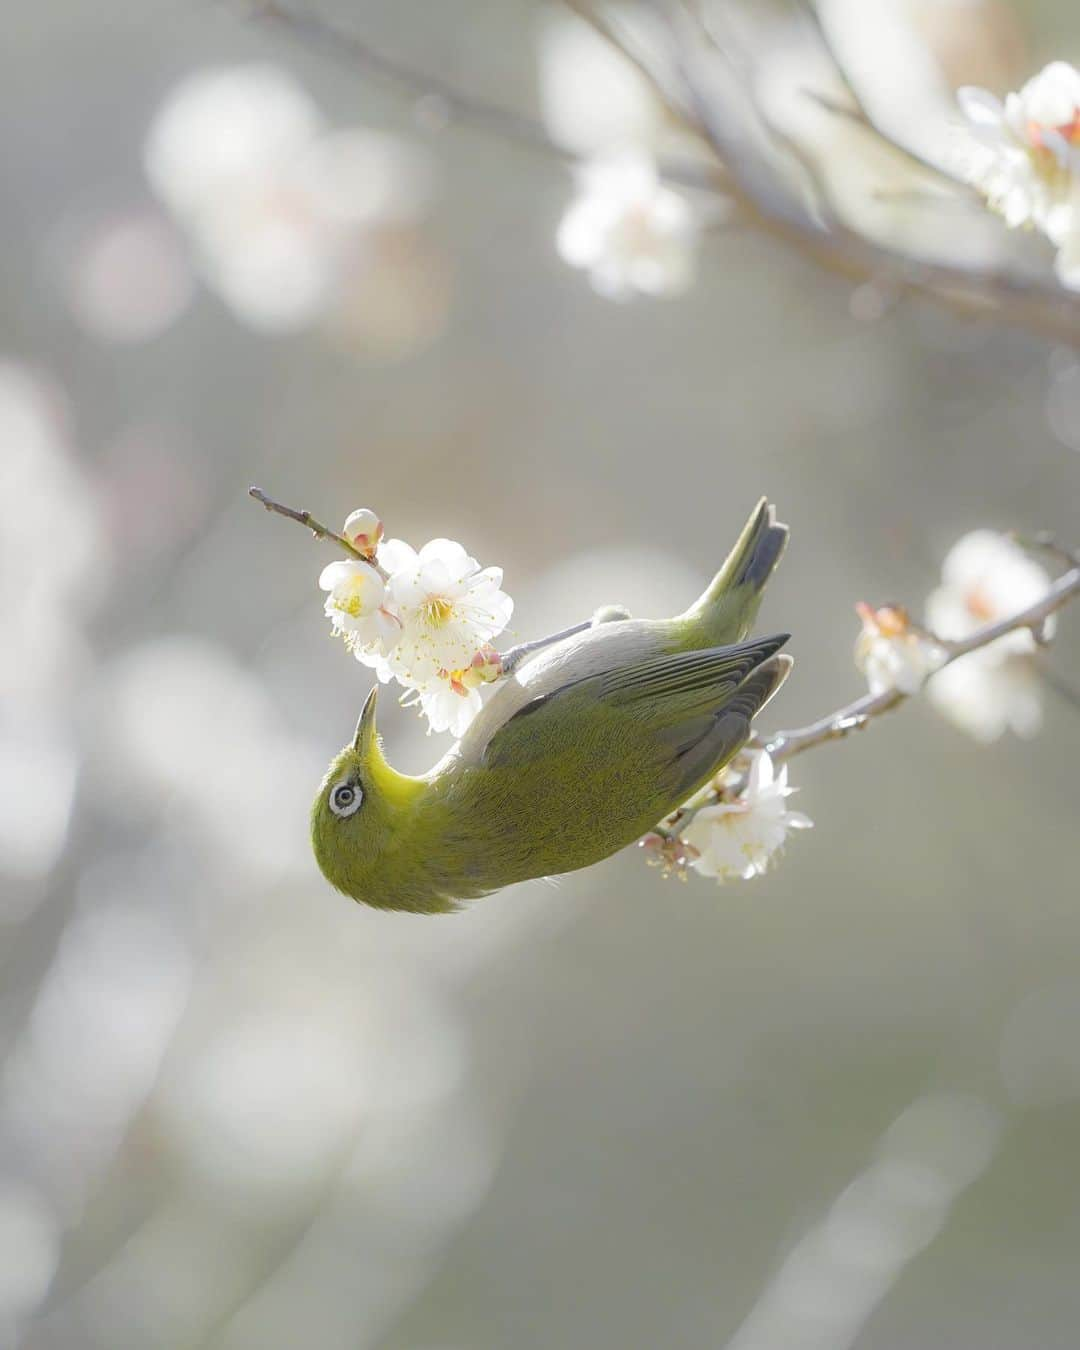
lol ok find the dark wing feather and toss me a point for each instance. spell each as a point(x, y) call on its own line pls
point(678, 696)
point(687, 681)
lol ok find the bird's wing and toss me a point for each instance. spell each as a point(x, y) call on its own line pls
point(678, 697)
point(686, 683)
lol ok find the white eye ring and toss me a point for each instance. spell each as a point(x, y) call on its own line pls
point(345, 798)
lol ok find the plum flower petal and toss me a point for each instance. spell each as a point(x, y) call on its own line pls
point(448, 606)
point(738, 838)
point(449, 705)
point(355, 606)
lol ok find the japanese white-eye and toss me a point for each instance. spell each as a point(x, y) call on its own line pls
point(579, 751)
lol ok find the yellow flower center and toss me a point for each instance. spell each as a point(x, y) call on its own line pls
point(438, 611)
point(350, 605)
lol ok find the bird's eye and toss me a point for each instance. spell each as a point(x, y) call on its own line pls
point(345, 799)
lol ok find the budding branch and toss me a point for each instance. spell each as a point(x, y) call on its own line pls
point(317, 528)
point(854, 716)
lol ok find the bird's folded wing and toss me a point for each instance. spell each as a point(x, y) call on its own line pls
point(682, 691)
point(687, 682)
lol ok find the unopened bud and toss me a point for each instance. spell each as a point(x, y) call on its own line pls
point(671, 854)
point(485, 668)
point(889, 621)
point(363, 530)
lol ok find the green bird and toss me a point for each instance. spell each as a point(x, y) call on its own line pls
point(582, 748)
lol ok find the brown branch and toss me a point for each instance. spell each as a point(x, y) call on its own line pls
point(827, 242)
point(819, 235)
point(316, 527)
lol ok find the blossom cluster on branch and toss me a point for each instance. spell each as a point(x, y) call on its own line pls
point(425, 619)
point(1023, 154)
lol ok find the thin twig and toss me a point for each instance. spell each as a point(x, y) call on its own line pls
point(317, 528)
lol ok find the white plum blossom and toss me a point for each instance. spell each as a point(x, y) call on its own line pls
point(282, 215)
point(987, 697)
point(448, 607)
point(448, 704)
point(630, 233)
point(355, 607)
point(452, 699)
point(987, 577)
point(890, 653)
point(738, 837)
point(1023, 155)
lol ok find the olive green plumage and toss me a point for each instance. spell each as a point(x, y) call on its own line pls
point(580, 751)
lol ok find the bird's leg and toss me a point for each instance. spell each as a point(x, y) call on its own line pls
point(514, 657)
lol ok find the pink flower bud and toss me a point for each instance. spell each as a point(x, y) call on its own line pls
point(363, 530)
point(485, 668)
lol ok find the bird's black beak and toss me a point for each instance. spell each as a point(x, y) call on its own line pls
point(365, 728)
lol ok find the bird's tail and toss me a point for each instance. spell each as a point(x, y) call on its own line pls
point(730, 604)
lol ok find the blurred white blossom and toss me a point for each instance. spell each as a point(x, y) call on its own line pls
point(221, 127)
point(283, 215)
point(128, 277)
point(985, 696)
point(739, 836)
point(987, 577)
point(890, 653)
point(1024, 156)
point(631, 233)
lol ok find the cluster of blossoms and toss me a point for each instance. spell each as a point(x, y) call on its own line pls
point(733, 828)
point(1023, 155)
point(426, 620)
point(986, 578)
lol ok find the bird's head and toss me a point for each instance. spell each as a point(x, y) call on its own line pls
point(360, 818)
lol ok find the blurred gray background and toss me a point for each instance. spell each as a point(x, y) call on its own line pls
point(836, 1105)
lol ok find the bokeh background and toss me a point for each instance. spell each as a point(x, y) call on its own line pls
point(838, 1105)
